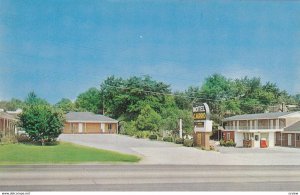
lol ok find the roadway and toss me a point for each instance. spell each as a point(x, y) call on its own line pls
point(149, 178)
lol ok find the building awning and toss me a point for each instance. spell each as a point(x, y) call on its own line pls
point(293, 127)
point(4, 115)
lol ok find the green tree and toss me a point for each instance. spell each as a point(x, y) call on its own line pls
point(12, 105)
point(125, 98)
point(33, 99)
point(41, 122)
point(66, 105)
point(183, 100)
point(90, 101)
point(148, 120)
point(171, 116)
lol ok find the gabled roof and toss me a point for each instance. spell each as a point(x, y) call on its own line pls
point(293, 127)
point(270, 115)
point(88, 117)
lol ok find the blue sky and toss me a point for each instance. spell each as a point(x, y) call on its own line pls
point(60, 48)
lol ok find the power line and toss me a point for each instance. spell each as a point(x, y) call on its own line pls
point(161, 93)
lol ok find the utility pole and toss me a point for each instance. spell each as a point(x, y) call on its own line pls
point(103, 105)
point(180, 128)
point(102, 102)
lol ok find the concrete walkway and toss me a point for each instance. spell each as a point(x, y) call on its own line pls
point(158, 152)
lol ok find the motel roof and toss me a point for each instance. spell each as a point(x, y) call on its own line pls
point(88, 117)
point(293, 127)
point(5, 115)
point(270, 115)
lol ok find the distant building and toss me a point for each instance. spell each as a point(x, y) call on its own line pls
point(263, 130)
point(89, 123)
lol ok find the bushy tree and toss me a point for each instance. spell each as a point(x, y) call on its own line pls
point(125, 98)
point(41, 122)
point(66, 105)
point(90, 101)
point(171, 116)
point(12, 105)
point(33, 99)
point(148, 120)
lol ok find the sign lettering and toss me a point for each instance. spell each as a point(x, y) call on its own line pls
point(199, 116)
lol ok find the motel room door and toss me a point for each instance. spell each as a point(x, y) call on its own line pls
point(256, 140)
point(289, 139)
point(80, 128)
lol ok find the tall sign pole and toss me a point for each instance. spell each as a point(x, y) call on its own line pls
point(180, 128)
point(202, 125)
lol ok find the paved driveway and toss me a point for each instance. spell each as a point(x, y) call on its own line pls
point(158, 152)
point(152, 152)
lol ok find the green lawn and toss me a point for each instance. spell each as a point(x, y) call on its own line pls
point(63, 153)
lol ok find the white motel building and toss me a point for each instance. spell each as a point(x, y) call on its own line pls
point(263, 130)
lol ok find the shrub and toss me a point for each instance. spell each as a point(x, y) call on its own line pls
point(9, 139)
point(128, 128)
point(153, 137)
point(159, 138)
point(168, 139)
point(222, 142)
point(142, 134)
point(138, 134)
point(229, 143)
point(179, 141)
point(23, 138)
point(188, 142)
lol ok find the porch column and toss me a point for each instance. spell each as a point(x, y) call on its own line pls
point(250, 124)
point(281, 138)
point(255, 124)
point(4, 127)
point(103, 127)
point(16, 129)
point(271, 124)
point(277, 123)
point(238, 125)
point(233, 123)
point(9, 128)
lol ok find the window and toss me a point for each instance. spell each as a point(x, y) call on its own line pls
point(256, 137)
point(109, 126)
point(228, 136)
point(298, 137)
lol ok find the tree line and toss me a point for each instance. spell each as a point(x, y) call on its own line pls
point(144, 105)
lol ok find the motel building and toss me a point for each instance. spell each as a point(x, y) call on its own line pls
point(263, 130)
point(8, 124)
point(89, 123)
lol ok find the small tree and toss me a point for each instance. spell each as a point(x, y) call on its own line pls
point(89, 101)
point(42, 123)
point(33, 99)
point(65, 105)
point(148, 119)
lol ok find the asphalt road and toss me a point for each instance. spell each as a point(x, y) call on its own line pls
point(149, 178)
